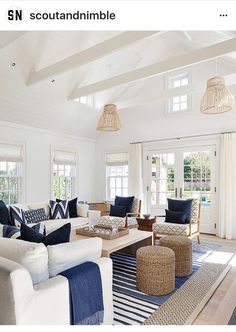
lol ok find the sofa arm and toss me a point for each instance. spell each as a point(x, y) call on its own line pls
point(93, 216)
point(16, 289)
point(105, 266)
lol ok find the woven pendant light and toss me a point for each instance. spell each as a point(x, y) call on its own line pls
point(109, 120)
point(217, 98)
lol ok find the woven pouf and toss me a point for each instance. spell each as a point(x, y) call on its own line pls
point(155, 270)
point(182, 247)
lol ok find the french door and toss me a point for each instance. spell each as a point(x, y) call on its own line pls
point(183, 173)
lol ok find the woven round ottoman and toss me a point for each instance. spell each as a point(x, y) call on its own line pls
point(182, 247)
point(155, 274)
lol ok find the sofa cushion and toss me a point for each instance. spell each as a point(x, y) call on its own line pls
point(60, 235)
point(52, 225)
point(4, 214)
point(118, 211)
point(64, 256)
point(173, 229)
point(33, 256)
point(175, 217)
point(34, 216)
point(181, 205)
point(82, 210)
point(17, 215)
point(59, 210)
point(110, 221)
point(124, 201)
point(72, 207)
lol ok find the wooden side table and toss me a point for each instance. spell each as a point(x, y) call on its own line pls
point(145, 224)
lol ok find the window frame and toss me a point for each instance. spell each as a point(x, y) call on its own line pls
point(115, 177)
point(74, 179)
point(22, 173)
point(173, 92)
point(117, 163)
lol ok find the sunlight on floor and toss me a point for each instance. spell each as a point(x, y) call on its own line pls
point(219, 257)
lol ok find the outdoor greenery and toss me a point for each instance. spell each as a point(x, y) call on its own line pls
point(9, 182)
point(197, 175)
point(61, 186)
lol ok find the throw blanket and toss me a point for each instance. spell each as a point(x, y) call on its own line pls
point(86, 299)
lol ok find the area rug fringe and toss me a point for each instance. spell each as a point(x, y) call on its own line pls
point(184, 306)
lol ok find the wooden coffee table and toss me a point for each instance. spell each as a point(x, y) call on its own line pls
point(128, 243)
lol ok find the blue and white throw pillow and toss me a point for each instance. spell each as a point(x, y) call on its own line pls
point(9, 231)
point(13, 232)
point(59, 210)
point(16, 215)
point(34, 216)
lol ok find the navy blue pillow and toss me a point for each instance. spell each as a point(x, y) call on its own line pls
point(118, 211)
point(72, 204)
point(124, 201)
point(175, 217)
point(185, 206)
point(60, 235)
point(4, 214)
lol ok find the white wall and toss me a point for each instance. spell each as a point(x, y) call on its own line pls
point(38, 160)
point(149, 122)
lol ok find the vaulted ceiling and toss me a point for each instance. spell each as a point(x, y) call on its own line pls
point(45, 74)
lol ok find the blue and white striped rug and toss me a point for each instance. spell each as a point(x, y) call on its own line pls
point(132, 307)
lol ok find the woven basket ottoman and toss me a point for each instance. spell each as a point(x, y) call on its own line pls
point(182, 247)
point(155, 273)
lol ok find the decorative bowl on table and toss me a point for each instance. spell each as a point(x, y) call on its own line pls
point(147, 215)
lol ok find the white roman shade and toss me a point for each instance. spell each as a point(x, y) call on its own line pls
point(115, 159)
point(64, 157)
point(10, 152)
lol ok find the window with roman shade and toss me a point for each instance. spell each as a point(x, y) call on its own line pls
point(11, 173)
point(64, 174)
point(116, 175)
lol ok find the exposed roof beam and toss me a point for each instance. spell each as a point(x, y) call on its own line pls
point(177, 62)
point(93, 53)
point(7, 37)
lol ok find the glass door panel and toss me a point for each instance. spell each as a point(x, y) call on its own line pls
point(197, 176)
point(183, 173)
point(162, 178)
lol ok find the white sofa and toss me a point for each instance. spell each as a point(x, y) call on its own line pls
point(85, 216)
point(31, 292)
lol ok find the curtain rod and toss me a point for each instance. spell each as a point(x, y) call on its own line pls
point(183, 137)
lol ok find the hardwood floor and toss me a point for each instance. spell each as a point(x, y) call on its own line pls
point(220, 307)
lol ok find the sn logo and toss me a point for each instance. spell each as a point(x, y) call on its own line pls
point(15, 15)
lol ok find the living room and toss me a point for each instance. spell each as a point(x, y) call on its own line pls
point(117, 165)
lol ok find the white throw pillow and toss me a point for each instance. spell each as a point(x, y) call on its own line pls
point(32, 256)
point(63, 256)
point(82, 210)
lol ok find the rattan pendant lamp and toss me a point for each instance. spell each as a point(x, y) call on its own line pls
point(217, 98)
point(109, 120)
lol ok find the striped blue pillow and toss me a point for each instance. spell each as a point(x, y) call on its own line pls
point(9, 231)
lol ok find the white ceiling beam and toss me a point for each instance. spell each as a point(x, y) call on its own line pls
point(7, 37)
point(93, 53)
point(177, 62)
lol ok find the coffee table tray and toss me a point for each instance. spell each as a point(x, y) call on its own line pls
point(104, 232)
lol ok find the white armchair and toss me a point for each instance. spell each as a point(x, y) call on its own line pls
point(24, 302)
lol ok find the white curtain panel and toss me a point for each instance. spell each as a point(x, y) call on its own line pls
point(135, 176)
point(227, 199)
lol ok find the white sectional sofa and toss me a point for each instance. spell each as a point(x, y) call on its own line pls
point(85, 216)
point(32, 292)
